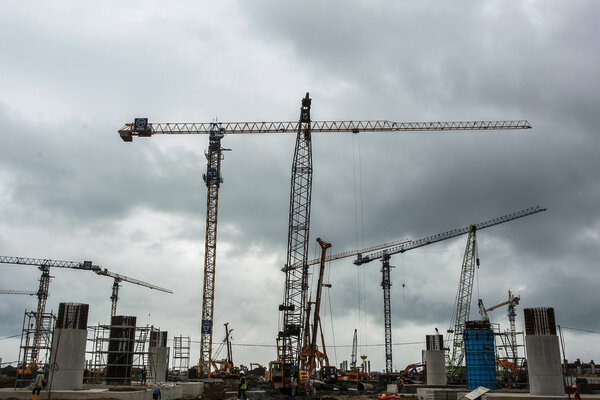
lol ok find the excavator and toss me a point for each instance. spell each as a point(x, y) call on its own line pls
point(407, 375)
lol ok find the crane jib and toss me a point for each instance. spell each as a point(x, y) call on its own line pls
point(146, 129)
point(446, 235)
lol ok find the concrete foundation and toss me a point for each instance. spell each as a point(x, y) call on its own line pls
point(544, 365)
point(435, 366)
point(158, 363)
point(169, 392)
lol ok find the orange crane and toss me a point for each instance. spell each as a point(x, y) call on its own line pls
point(310, 352)
point(289, 338)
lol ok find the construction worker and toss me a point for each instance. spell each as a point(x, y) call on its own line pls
point(38, 384)
point(144, 374)
point(576, 395)
point(242, 387)
point(294, 384)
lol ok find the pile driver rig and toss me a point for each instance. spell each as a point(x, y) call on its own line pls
point(290, 336)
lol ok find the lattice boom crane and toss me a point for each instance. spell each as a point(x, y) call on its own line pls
point(296, 280)
point(465, 285)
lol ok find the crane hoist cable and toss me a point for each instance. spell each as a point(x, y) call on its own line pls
point(290, 335)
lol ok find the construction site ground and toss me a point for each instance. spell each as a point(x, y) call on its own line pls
point(228, 389)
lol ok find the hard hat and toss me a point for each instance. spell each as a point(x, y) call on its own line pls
point(40, 370)
point(574, 386)
point(242, 372)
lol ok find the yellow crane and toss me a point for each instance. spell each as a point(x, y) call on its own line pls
point(289, 339)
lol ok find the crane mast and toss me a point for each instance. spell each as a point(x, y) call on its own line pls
point(289, 341)
point(463, 302)
point(213, 180)
point(354, 351)
point(386, 284)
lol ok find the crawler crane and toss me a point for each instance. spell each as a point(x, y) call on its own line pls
point(289, 338)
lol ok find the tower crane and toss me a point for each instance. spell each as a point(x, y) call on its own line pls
point(385, 254)
point(44, 265)
point(511, 303)
point(289, 339)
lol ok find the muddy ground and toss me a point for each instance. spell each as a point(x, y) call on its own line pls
point(261, 391)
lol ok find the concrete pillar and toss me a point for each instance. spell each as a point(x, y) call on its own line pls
point(158, 361)
point(68, 347)
point(543, 353)
point(544, 365)
point(158, 355)
point(435, 360)
point(435, 365)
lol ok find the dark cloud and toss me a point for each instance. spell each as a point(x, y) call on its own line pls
point(71, 189)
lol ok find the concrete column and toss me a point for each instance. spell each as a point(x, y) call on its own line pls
point(435, 365)
point(544, 365)
point(68, 347)
point(158, 360)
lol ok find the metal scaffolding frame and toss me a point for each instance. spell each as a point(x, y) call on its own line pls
point(100, 352)
point(181, 357)
point(36, 343)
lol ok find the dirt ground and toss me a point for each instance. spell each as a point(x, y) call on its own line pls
point(263, 391)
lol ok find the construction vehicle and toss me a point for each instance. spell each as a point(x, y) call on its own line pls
point(224, 368)
point(355, 373)
point(310, 353)
point(289, 339)
point(408, 374)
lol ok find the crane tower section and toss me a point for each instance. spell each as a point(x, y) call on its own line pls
point(213, 180)
point(463, 300)
point(289, 339)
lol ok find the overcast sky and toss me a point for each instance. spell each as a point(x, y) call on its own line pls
point(72, 73)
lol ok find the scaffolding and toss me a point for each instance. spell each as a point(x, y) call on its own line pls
point(181, 358)
point(510, 357)
point(124, 354)
point(36, 342)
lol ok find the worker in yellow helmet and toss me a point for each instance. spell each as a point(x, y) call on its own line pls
point(37, 385)
point(242, 387)
point(576, 395)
